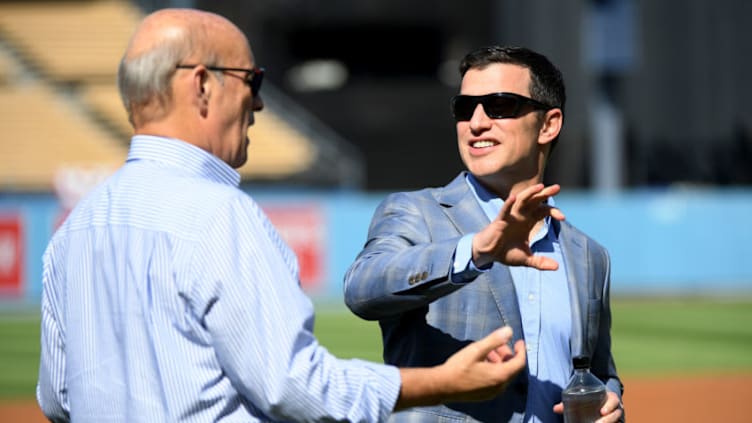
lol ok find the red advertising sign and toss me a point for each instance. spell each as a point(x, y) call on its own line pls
point(11, 254)
point(303, 228)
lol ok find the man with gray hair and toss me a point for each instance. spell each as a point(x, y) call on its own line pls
point(167, 294)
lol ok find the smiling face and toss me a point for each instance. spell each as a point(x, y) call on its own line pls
point(501, 153)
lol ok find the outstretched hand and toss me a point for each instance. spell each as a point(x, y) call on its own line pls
point(483, 369)
point(507, 238)
point(478, 372)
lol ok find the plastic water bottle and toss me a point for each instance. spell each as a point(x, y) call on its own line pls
point(584, 395)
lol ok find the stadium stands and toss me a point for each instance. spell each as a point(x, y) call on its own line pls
point(276, 149)
point(40, 136)
point(66, 111)
point(8, 69)
point(104, 101)
point(70, 40)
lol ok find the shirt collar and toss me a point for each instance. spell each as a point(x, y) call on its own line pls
point(492, 203)
point(180, 154)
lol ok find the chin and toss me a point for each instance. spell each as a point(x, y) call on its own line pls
point(239, 163)
point(484, 170)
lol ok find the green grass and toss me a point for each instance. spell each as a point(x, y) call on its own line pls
point(661, 336)
point(657, 336)
point(680, 336)
point(19, 355)
point(346, 335)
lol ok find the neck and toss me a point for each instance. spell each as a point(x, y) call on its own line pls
point(171, 127)
point(504, 190)
point(513, 180)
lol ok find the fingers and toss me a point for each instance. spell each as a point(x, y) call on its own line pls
point(541, 262)
point(495, 340)
point(612, 409)
point(484, 368)
point(516, 362)
point(613, 417)
point(556, 213)
point(506, 208)
point(507, 239)
point(494, 357)
point(537, 194)
point(612, 402)
point(500, 354)
point(511, 363)
point(559, 408)
point(532, 202)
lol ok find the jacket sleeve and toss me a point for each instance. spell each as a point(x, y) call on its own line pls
point(402, 267)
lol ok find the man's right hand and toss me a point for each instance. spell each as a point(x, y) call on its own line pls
point(483, 369)
point(478, 372)
point(506, 238)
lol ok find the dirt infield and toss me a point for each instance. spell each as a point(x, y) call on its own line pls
point(681, 399)
point(689, 399)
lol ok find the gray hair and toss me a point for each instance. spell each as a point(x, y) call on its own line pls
point(147, 77)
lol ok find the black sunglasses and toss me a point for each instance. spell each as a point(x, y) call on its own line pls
point(496, 105)
point(253, 76)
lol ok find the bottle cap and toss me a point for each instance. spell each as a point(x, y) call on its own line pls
point(581, 362)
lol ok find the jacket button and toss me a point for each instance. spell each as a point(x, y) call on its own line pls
point(424, 276)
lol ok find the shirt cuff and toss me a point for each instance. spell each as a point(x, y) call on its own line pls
point(463, 268)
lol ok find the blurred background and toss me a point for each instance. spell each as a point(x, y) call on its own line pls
point(655, 159)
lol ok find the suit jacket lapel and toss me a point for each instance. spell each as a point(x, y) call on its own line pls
point(500, 284)
point(461, 207)
point(573, 248)
point(463, 210)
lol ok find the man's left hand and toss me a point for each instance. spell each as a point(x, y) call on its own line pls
point(612, 411)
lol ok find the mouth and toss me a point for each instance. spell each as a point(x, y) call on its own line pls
point(480, 144)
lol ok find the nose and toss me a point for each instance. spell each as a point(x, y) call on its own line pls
point(258, 104)
point(479, 121)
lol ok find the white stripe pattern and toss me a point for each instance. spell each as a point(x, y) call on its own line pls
point(169, 297)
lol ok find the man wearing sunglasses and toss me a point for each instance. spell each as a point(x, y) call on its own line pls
point(441, 266)
point(167, 294)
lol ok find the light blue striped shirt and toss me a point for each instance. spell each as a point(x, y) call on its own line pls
point(543, 298)
point(169, 297)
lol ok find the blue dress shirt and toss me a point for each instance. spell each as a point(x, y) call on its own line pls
point(169, 297)
point(543, 298)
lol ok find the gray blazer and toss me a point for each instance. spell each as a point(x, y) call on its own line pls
point(401, 279)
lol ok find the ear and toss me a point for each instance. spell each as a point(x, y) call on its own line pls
point(552, 122)
point(202, 89)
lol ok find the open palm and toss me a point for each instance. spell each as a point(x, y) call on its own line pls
point(507, 238)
